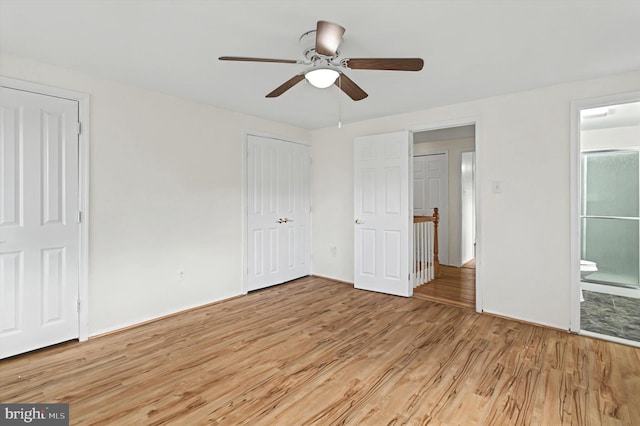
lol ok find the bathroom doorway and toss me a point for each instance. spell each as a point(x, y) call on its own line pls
point(609, 221)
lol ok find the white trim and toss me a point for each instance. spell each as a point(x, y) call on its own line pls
point(574, 198)
point(412, 260)
point(84, 101)
point(245, 192)
point(244, 247)
point(249, 132)
point(462, 262)
point(633, 293)
point(475, 120)
point(436, 152)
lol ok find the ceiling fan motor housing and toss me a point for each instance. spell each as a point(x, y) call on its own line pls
point(308, 48)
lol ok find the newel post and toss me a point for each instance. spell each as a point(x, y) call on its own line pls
point(436, 261)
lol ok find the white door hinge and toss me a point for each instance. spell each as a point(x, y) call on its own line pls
point(78, 128)
point(78, 305)
point(79, 217)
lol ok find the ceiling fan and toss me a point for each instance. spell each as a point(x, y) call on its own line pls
point(320, 50)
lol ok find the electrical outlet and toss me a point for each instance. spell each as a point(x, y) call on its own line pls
point(334, 251)
point(180, 275)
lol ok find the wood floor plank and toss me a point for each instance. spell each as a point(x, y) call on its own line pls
point(315, 351)
point(454, 286)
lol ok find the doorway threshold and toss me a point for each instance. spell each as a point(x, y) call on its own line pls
point(613, 339)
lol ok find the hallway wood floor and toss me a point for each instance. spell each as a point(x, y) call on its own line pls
point(454, 286)
point(315, 351)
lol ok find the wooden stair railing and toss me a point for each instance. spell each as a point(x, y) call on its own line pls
point(435, 219)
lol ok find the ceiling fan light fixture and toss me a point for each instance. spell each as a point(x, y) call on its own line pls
point(322, 77)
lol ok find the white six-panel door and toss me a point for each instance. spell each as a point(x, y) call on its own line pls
point(278, 211)
point(382, 213)
point(39, 226)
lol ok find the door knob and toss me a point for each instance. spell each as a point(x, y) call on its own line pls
point(359, 222)
point(288, 220)
point(280, 220)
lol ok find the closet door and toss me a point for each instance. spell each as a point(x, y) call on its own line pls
point(39, 228)
point(278, 211)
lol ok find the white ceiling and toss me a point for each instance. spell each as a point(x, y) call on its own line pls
point(472, 49)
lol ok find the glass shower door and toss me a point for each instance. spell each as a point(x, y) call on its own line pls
point(610, 216)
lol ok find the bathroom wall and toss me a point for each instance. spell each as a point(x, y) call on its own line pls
point(612, 138)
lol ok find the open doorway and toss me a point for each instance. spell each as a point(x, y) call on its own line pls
point(444, 178)
point(609, 220)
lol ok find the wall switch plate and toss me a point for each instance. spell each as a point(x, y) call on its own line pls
point(496, 187)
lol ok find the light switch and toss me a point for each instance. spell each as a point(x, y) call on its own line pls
point(496, 187)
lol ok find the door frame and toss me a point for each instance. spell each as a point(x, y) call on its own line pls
point(244, 272)
point(476, 121)
point(83, 100)
point(574, 198)
point(461, 199)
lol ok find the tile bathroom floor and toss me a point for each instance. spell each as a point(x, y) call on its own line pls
point(611, 315)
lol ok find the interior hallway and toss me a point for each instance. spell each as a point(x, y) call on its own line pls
point(454, 286)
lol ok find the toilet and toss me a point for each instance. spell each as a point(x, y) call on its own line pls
point(587, 267)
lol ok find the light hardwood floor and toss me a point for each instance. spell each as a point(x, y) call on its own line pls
point(316, 351)
point(454, 286)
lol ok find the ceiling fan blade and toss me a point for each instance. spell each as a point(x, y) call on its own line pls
point(390, 64)
point(350, 88)
point(328, 38)
point(286, 86)
point(247, 59)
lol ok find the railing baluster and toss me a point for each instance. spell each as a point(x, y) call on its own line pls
point(419, 253)
point(429, 251)
point(416, 245)
point(425, 249)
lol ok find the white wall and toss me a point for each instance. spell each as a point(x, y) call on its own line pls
point(611, 138)
point(166, 194)
point(455, 148)
point(523, 234)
